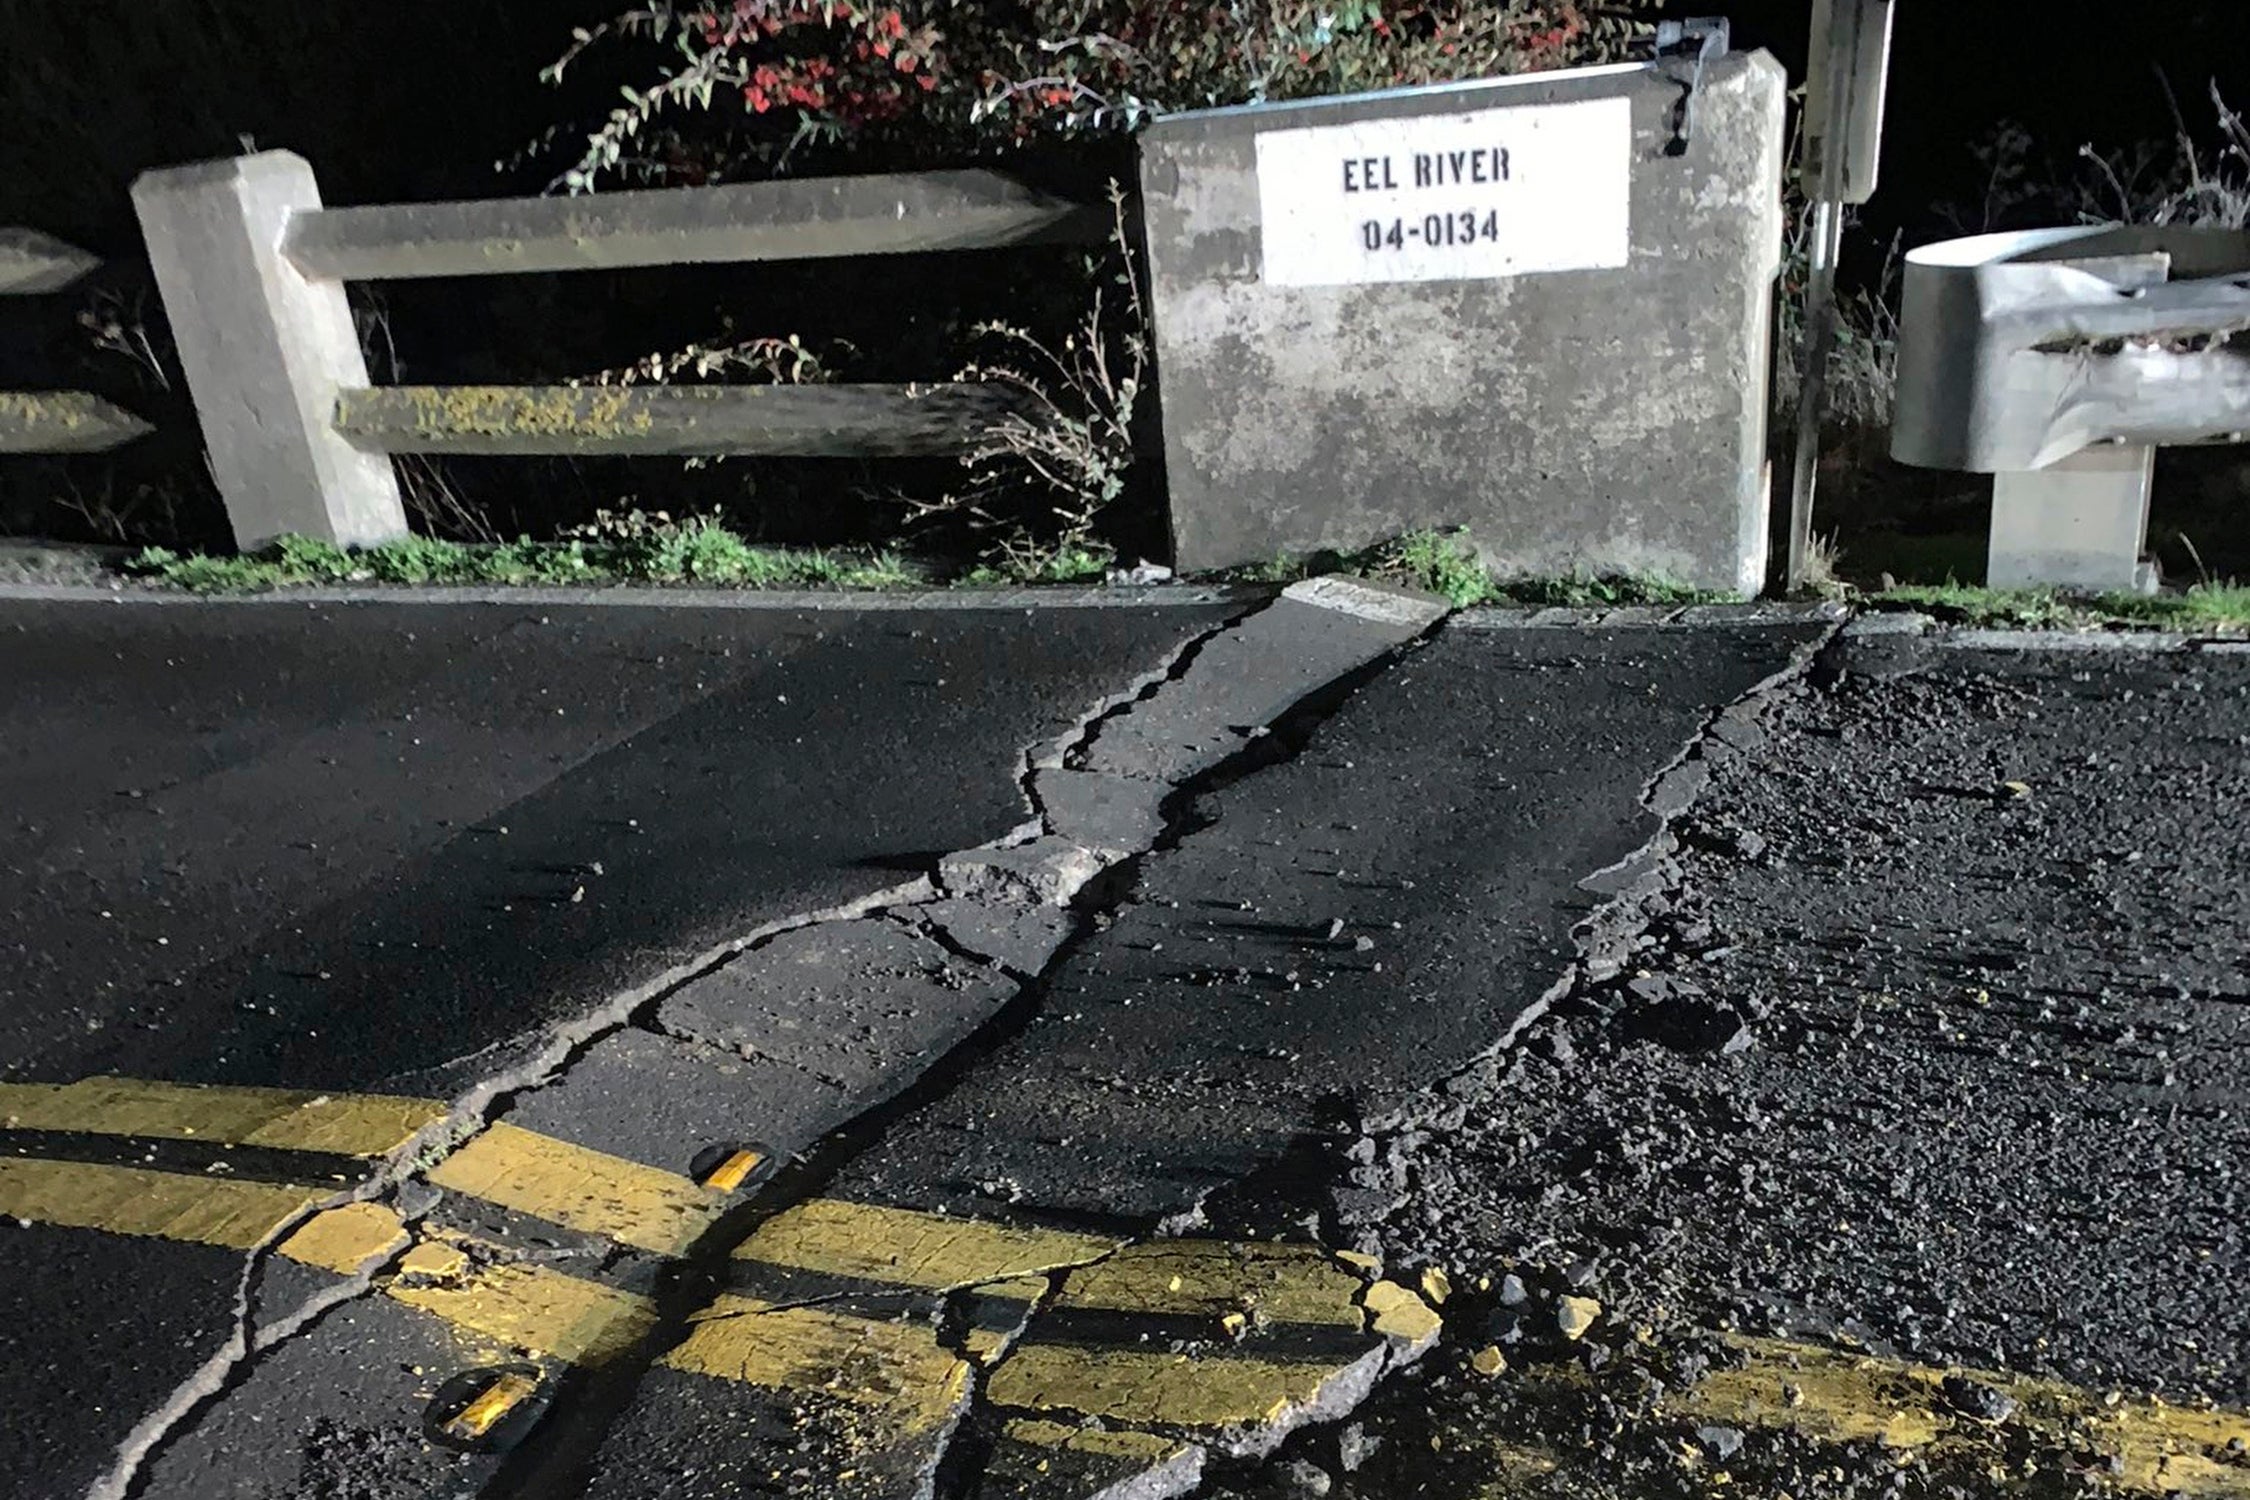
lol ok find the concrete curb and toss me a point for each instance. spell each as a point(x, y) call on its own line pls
point(652, 597)
point(1644, 616)
point(1886, 624)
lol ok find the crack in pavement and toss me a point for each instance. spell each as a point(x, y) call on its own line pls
point(463, 1121)
point(249, 1338)
point(1085, 898)
point(1077, 881)
point(1975, 916)
point(808, 1170)
point(1606, 935)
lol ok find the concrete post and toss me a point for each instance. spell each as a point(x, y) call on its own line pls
point(266, 351)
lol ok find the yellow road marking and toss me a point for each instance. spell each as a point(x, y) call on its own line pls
point(1214, 1279)
point(434, 1259)
point(292, 1119)
point(536, 1309)
point(1835, 1395)
point(1147, 1386)
point(580, 1188)
point(897, 1368)
point(496, 1401)
point(898, 1372)
point(228, 1213)
point(900, 1247)
point(1134, 1447)
point(346, 1238)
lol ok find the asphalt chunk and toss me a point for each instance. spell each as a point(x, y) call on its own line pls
point(1037, 1460)
point(858, 1005)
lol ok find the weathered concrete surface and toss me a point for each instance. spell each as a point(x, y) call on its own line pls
point(792, 219)
point(811, 421)
point(64, 422)
point(32, 263)
point(266, 350)
point(2079, 523)
point(1607, 420)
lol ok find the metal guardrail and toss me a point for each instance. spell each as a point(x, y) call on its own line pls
point(32, 264)
point(2058, 360)
point(252, 267)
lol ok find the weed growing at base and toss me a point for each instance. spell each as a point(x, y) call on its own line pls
point(699, 551)
point(2204, 607)
point(1446, 563)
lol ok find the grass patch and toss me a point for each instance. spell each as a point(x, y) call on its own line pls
point(700, 551)
point(2204, 607)
point(1080, 564)
point(1446, 563)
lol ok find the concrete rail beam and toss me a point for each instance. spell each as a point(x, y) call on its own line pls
point(800, 421)
point(32, 263)
point(64, 422)
point(802, 219)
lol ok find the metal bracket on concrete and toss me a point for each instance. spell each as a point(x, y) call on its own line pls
point(1698, 39)
point(2058, 360)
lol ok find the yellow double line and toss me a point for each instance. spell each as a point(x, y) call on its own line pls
point(900, 1366)
point(1235, 1299)
point(578, 1188)
point(527, 1306)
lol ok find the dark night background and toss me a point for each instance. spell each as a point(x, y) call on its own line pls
point(417, 98)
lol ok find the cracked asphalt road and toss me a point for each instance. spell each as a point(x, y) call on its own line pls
point(1789, 1062)
point(384, 848)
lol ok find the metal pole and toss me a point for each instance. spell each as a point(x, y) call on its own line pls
point(1812, 384)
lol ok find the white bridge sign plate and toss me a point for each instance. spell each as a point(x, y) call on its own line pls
point(1463, 197)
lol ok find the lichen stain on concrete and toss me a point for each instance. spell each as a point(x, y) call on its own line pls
point(587, 414)
point(63, 422)
point(33, 409)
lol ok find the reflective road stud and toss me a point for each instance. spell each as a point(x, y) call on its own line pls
point(733, 1168)
point(484, 1409)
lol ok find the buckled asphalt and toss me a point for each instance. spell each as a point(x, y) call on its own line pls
point(1222, 1055)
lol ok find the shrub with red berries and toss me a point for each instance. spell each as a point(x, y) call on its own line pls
point(739, 84)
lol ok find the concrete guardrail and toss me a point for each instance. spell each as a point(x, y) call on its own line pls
point(252, 267)
point(32, 264)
